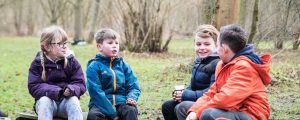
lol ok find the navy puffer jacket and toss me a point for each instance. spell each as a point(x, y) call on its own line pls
point(203, 76)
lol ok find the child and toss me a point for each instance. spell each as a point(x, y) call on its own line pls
point(239, 92)
point(56, 79)
point(202, 74)
point(113, 87)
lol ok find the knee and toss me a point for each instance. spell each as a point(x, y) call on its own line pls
point(44, 104)
point(44, 101)
point(131, 109)
point(166, 105)
point(208, 114)
point(73, 100)
point(181, 108)
point(94, 113)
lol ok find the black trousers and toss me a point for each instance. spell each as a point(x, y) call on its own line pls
point(125, 112)
point(168, 110)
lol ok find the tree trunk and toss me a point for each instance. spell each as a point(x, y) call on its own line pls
point(18, 17)
point(243, 13)
point(77, 23)
point(279, 42)
point(208, 9)
point(29, 21)
point(93, 23)
point(254, 22)
point(216, 16)
point(296, 43)
point(227, 12)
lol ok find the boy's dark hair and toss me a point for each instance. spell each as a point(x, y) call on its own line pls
point(106, 33)
point(234, 36)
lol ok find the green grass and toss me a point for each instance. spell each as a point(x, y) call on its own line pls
point(157, 74)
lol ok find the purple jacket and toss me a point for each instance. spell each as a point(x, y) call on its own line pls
point(57, 78)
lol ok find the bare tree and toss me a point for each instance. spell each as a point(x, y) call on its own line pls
point(77, 20)
point(30, 15)
point(143, 24)
point(296, 24)
point(18, 16)
point(254, 21)
point(54, 9)
point(283, 31)
point(93, 22)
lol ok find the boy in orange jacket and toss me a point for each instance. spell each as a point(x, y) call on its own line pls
point(239, 92)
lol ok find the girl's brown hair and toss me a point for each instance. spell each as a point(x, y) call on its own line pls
point(205, 31)
point(50, 35)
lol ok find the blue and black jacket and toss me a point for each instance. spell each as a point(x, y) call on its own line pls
point(110, 82)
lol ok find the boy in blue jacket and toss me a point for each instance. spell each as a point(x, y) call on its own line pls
point(202, 74)
point(112, 85)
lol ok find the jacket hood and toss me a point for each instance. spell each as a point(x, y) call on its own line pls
point(262, 69)
point(248, 51)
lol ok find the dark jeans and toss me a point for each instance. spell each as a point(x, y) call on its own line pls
point(125, 112)
point(214, 113)
point(173, 110)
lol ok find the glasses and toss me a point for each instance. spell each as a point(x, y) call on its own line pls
point(62, 44)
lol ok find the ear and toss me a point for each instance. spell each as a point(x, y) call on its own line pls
point(225, 48)
point(99, 47)
point(45, 48)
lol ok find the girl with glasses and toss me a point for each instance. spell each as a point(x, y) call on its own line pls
point(56, 80)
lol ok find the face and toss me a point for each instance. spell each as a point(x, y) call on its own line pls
point(109, 47)
point(57, 49)
point(204, 46)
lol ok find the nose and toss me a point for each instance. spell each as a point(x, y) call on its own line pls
point(115, 45)
point(201, 47)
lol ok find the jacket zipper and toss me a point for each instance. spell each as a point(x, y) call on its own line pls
point(115, 81)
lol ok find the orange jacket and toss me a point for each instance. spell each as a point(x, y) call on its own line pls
point(240, 86)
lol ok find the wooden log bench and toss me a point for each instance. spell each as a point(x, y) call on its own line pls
point(28, 116)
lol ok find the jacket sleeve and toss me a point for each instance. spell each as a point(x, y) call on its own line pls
point(190, 95)
point(77, 84)
point(38, 88)
point(131, 84)
point(238, 86)
point(205, 98)
point(97, 94)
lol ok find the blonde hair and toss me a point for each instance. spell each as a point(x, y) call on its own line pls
point(205, 31)
point(49, 35)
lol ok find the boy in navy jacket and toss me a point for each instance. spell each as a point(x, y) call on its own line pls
point(202, 74)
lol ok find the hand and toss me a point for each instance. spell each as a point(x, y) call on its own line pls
point(130, 101)
point(191, 116)
point(67, 92)
point(177, 95)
